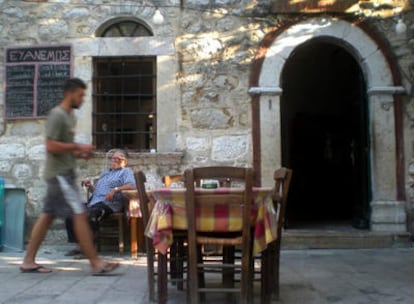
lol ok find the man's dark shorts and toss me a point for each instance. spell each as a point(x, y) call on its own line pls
point(62, 197)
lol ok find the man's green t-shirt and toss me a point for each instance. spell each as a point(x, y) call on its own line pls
point(60, 126)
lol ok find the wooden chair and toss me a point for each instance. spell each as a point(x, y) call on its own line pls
point(140, 181)
point(270, 262)
point(176, 258)
point(242, 238)
point(162, 272)
point(111, 228)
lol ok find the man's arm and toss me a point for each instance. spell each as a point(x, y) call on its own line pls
point(129, 184)
point(58, 147)
point(110, 196)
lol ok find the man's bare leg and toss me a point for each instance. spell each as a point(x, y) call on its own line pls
point(36, 238)
point(84, 236)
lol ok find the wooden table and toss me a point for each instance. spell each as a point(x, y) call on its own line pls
point(169, 214)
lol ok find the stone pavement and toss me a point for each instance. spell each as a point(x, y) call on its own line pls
point(307, 276)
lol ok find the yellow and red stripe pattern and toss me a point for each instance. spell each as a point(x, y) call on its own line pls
point(169, 214)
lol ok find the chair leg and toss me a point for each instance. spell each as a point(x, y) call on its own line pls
point(192, 279)
point(173, 262)
point(245, 277)
point(150, 269)
point(265, 277)
point(276, 271)
point(162, 278)
point(121, 235)
point(200, 273)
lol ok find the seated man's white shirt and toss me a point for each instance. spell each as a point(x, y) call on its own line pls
point(108, 180)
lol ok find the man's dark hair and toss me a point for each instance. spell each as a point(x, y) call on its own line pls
point(73, 84)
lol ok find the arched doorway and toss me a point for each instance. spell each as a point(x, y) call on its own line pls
point(383, 113)
point(325, 136)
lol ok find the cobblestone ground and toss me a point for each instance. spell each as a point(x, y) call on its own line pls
point(307, 276)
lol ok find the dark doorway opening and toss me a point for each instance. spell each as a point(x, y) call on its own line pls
point(325, 136)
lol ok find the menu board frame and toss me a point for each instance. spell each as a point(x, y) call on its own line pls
point(57, 58)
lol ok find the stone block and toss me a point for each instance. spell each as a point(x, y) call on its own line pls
point(205, 47)
point(210, 119)
point(14, 12)
point(243, 119)
point(22, 171)
point(5, 166)
point(198, 2)
point(11, 151)
point(53, 29)
point(76, 13)
point(226, 82)
point(388, 216)
point(37, 152)
point(388, 227)
point(26, 128)
point(229, 148)
point(197, 144)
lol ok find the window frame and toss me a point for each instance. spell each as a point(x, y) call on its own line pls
point(151, 134)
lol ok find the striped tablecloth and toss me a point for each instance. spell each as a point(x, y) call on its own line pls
point(169, 214)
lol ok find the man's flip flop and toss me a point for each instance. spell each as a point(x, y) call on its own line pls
point(106, 270)
point(38, 269)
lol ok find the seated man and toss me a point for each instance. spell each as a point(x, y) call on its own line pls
point(106, 194)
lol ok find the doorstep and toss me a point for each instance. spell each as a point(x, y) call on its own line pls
point(339, 239)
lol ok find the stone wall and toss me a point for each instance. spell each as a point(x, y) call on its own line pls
point(203, 60)
point(215, 52)
point(204, 64)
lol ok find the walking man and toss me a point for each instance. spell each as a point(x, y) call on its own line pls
point(62, 197)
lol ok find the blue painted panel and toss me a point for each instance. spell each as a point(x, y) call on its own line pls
point(15, 206)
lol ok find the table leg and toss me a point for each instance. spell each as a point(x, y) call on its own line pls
point(140, 235)
point(180, 265)
point(173, 262)
point(134, 238)
point(228, 273)
point(162, 278)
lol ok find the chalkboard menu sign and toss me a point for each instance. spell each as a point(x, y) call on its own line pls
point(34, 79)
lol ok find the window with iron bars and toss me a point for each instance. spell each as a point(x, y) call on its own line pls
point(124, 103)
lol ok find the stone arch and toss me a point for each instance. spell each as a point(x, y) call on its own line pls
point(265, 88)
point(354, 40)
point(103, 27)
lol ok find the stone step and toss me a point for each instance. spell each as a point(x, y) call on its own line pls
point(337, 239)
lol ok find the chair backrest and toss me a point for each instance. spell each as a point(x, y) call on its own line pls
point(140, 181)
point(169, 179)
point(243, 199)
point(282, 177)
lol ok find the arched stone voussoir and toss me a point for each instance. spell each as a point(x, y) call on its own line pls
point(343, 33)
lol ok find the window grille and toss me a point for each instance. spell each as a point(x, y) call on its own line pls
point(124, 103)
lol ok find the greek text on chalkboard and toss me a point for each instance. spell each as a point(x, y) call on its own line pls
point(34, 78)
point(39, 54)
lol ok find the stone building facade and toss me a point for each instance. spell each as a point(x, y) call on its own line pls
point(219, 84)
